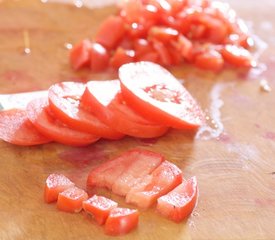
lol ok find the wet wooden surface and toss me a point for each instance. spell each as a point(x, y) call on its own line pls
point(233, 158)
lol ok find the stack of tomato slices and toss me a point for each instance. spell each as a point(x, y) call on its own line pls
point(144, 103)
point(205, 33)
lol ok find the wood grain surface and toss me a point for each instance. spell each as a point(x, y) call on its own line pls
point(233, 157)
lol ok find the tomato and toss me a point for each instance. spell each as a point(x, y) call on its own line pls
point(99, 207)
point(155, 93)
point(55, 184)
point(163, 34)
point(71, 199)
point(40, 115)
point(80, 54)
point(105, 101)
point(99, 57)
point(180, 202)
point(110, 32)
point(237, 56)
point(211, 60)
point(122, 56)
point(121, 221)
point(64, 101)
point(185, 47)
point(164, 55)
point(16, 128)
point(162, 180)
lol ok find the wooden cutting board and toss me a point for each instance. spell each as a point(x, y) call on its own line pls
point(233, 158)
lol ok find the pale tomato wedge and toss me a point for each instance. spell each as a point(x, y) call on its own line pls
point(40, 115)
point(55, 184)
point(99, 207)
point(71, 199)
point(121, 221)
point(104, 100)
point(64, 101)
point(16, 128)
point(156, 94)
point(180, 202)
point(80, 54)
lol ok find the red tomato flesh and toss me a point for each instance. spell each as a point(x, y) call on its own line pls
point(71, 200)
point(20, 130)
point(80, 54)
point(64, 101)
point(156, 94)
point(99, 57)
point(55, 184)
point(105, 101)
point(180, 202)
point(211, 60)
point(40, 115)
point(99, 207)
point(122, 56)
point(162, 180)
point(121, 221)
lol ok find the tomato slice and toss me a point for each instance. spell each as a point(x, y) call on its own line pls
point(105, 101)
point(121, 221)
point(99, 57)
point(155, 93)
point(64, 101)
point(99, 207)
point(180, 202)
point(80, 54)
point(55, 184)
point(71, 200)
point(16, 128)
point(40, 115)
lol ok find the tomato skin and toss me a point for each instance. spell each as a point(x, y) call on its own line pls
point(40, 115)
point(55, 184)
point(163, 100)
point(20, 131)
point(99, 57)
point(80, 54)
point(211, 60)
point(113, 25)
point(122, 56)
point(64, 102)
point(71, 199)
point(100, 208)
point(180, 202)
point(121, 221)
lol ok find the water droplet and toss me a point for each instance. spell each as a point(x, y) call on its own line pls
point(78, 3)
point(68, 46)
point(264, 86)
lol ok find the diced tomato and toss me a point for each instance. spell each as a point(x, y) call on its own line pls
point(185, 47)
point(99, 57)
point(145, 51)
point(99, 207)
point(16, 128)
point(180, 202)
point(211, 60)
point(80, 54)
point(105, 101)
point(122, 56)
point(164, 55)
point(40, 115)
point(163, 34)
point(162, 99)
point(64, 101)
point(141, 163)
point(55, 184)
point(149, 57)
point(71, 200)
point(121, 221)
point(162, 180)
point(137, 30)
point(110, 32)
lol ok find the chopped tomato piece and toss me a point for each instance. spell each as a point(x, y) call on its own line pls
point(162, 99)
point(211, 60)
point(64, 101)
point(164, 55)
point(99, 207)
point(162, 180)
point(55, 184)
point(40, 115)
point(71, 200)
point(163, 34)
point(80, 54)
point(105, 101)
point(180, 202)
point(110, 32)
point(122, 56)
point(99, 57)
point(16, 128)
point(121, 221)
point(185, 47)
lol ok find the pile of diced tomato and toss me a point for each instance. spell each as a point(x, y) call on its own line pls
point(207, 34)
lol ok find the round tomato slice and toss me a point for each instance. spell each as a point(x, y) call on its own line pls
point(105, 100)
point(16, 128)
point(64, 101)
point(40, 115)
point(156, 94)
